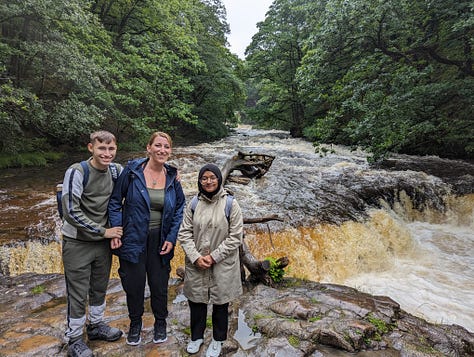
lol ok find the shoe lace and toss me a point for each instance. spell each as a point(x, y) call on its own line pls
point(135, 329)
point(102, 328)
point(79, 347)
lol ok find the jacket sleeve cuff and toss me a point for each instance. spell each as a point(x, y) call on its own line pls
point(216, 257)
point(194, 256)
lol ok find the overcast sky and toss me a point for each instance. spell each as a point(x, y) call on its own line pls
point(242, 16)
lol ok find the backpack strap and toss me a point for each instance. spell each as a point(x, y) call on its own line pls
point(85, 168)
point(194, 202)
point(228, 205)
point(114, 171)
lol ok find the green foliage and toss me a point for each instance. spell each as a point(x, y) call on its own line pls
point(38, 289)
point(71, 67)
point(28, 159)
point(381, 326)
point(387, 76)
point(261, 316)
point(273, 58)
point(275, 272)
point(294, 341)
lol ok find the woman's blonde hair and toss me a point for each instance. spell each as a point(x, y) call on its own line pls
point(161, 134)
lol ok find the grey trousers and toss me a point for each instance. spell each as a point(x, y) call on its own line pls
point(87, 271)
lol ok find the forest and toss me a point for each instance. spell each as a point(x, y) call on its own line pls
point(392, 76)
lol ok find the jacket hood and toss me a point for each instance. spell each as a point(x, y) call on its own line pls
point(216, 171)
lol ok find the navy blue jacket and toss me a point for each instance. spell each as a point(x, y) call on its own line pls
point(129, 207)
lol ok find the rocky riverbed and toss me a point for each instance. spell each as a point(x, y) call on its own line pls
point(298, 318)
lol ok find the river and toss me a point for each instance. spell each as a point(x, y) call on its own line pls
point(403, 229)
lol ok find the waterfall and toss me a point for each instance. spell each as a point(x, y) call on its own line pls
point(403, 228)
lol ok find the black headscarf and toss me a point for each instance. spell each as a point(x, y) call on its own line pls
point(216, 171)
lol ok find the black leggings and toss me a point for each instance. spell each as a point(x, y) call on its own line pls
point(220, 320)
point(134, 275)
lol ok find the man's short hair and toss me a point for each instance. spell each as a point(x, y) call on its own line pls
point(102, 136)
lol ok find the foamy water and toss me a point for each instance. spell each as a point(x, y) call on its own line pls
point(436, 282)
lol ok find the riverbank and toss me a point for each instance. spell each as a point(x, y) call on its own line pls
point(299, 318)
point(36, 159)
point(400, 231)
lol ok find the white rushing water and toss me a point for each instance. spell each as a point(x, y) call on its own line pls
point(436, 282)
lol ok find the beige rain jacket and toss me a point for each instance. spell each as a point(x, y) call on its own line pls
point(207, 231)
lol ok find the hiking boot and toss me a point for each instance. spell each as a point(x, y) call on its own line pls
point(160, 332)
point(194, 346)
point(133, 337)
point(102, 331)
point(214, 348)
point(78, 348)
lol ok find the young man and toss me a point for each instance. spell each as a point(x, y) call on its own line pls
point(86, 252)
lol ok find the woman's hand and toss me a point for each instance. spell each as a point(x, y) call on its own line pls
point(166, 248)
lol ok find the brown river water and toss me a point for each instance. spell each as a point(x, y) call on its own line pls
point(403, 229)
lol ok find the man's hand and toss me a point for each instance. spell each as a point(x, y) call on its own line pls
point(166, 248)
point(114, 232)
point(115, 243)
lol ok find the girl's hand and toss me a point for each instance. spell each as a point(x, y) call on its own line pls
point(204, 262)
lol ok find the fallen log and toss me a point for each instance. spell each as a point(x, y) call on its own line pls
point(262, 219)
point(250, 165)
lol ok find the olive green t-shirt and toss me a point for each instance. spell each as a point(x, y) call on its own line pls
point(157, 201)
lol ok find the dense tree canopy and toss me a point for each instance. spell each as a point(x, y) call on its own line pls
point(384, 75)
point(69, 67)
point(389, 76)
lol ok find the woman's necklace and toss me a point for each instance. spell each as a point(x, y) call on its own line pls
point(154, 181)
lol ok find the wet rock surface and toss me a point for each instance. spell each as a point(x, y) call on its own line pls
point(299, 318)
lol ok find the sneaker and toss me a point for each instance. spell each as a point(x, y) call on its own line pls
point(194, 346)
point(214, 348)
point(102, 331)
point(133, 337)
point(160, 332)
point(79, 348)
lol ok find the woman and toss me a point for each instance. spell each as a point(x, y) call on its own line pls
point(212, 267)
point(148, 202)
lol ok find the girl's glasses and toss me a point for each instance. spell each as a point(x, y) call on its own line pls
point(210, 178)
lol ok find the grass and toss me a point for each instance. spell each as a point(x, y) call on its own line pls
point(38, 289)
point(261, 316)
point(294, 341)
point(379, 324)
point(28, 159)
